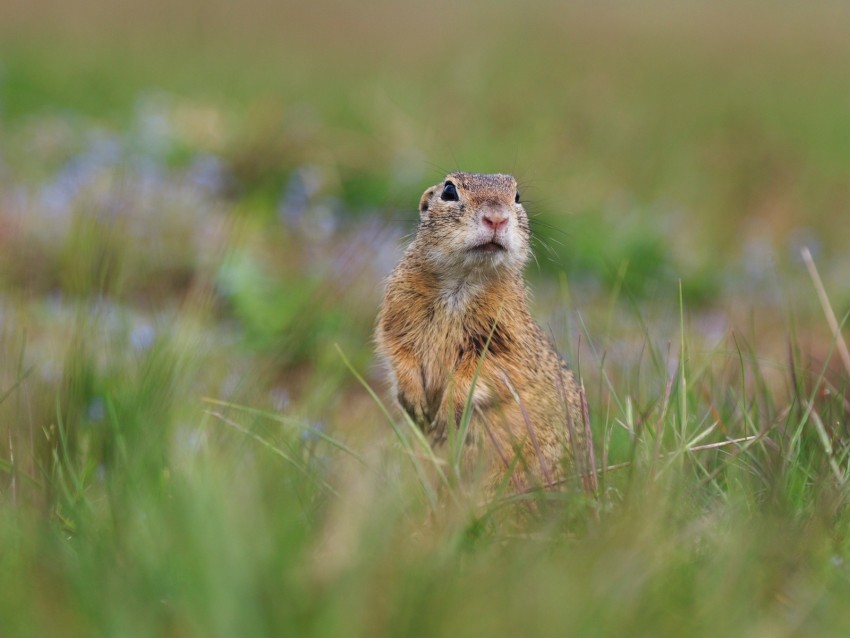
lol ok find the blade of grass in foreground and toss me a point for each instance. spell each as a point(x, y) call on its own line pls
point(466, 416)
point(420, 472)
point(287, 421)
point(273, 449)
point(827, 309)
point(683, 387)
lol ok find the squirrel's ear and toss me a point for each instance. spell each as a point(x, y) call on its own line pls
point(425, 201)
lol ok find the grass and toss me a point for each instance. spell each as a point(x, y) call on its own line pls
point(195, 218)
point(723, 511)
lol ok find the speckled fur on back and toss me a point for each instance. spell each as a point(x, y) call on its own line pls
point(459, 284)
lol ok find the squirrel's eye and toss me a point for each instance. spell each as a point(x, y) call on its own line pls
point(516, 199)
point(449, 193)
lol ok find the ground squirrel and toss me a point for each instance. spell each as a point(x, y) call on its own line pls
point(458, 293)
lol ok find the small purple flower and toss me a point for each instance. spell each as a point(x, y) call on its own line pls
point(96, 410)
point(142, 337)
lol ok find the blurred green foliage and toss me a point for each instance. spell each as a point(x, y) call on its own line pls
point(198, 204)
point(273, 312)
point(735, 121)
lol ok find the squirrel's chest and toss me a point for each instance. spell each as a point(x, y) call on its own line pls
point(439, 341)
point(436, 336)
point(452, 342)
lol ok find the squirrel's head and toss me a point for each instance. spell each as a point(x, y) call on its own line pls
point(474, 222)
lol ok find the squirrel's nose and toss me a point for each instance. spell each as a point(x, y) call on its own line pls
point(494, 220)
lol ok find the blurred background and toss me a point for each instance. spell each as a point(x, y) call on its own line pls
point(199, 202)
point(248, 173)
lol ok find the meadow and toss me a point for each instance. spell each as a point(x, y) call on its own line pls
point(198, 205)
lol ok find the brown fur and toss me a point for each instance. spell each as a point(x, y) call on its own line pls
point(443, 301)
